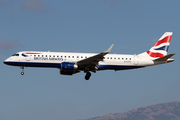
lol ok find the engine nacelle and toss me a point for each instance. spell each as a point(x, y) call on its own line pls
point(68, 68)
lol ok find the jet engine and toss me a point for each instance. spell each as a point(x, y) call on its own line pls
point(68, 68)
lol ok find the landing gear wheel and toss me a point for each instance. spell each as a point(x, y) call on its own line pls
point(22, 67)
point(22, 73)
point(88, 75)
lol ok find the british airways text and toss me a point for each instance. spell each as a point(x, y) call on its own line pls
point(45, 58)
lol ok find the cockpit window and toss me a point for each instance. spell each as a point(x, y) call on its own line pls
point(15, 55)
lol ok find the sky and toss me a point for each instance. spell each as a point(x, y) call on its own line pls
point(91, 26)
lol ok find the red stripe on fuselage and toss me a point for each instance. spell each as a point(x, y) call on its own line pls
point(155, 55)
point(31, 53)
point(164, 40)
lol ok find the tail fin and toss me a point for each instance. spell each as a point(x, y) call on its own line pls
point(160, 48)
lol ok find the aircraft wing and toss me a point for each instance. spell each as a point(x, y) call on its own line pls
point(92, 61)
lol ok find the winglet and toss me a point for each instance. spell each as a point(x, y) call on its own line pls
point(109, 49)
point(96, 58)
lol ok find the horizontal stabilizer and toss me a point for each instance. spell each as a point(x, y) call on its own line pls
point(164, 58)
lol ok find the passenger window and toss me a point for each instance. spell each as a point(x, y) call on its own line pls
point(61, 56)
point(77, 56)
point(72, 56)
point(126, 58)
point(49, 55)
point(46, 55)
point(122, 58)
point(57, 56)
point(65, 56)
point(114, 58)
point(34, 55)
point(42, 55)
point(86, 57)
point(129, 58)
point(118, 58)
point(107, 57)
point(111, 57)
point(81, 56)
point(38, 55)
point(69, 56)
point(54, 56)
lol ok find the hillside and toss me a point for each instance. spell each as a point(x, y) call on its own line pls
point(162, 111)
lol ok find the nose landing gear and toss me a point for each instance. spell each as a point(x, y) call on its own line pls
point(22, 73)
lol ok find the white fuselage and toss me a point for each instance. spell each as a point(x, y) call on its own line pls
point(54, 59)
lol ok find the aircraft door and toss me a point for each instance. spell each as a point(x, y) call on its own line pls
point(135, 59)
point(28, 58)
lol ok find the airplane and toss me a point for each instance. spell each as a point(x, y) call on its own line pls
point(72, 63)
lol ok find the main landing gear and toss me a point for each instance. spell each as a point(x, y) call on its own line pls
point(88, 75)
point(22, 73)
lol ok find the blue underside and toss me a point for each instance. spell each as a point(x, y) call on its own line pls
point(117, 67)
point(58, 65)
point(32, 64)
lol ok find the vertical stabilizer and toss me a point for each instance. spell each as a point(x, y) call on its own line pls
point(160, 48)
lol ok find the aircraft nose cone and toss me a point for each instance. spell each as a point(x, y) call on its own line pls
point(6, 61)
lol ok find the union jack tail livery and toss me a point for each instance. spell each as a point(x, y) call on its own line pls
point(160, 48)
